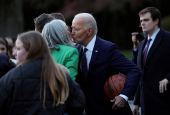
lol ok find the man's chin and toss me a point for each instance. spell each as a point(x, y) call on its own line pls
point(144, 31)
point(75, 41)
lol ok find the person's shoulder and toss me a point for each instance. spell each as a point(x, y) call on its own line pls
point(33, 65)
point(105, 44)
point(20, 71)
point(167, 33)
point(4, 57)
point(164, 32)
point(4, 60)
point(79, 46)
point(68, 49)
point(9, 77)
point(4, 65)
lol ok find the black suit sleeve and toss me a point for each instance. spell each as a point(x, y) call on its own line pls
point(119, 62)
point(4, 65)
point(134, 56)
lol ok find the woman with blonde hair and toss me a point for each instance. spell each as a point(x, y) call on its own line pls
point(62, 48)
point(38, 85)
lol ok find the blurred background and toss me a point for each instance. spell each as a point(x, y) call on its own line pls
point(116, 19)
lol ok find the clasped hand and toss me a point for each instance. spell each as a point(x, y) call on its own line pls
point(119, 102)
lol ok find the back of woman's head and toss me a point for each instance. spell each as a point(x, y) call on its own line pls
point(34, 43)
point(55, 32)
point(52, 73)
point(5, 43)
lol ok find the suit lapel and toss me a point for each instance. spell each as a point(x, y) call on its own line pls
point(158, 39)
point(140, 50)
point(95, 53)
point(80, 50)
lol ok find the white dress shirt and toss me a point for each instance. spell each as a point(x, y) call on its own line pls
point(151, 42)
point(89, 51)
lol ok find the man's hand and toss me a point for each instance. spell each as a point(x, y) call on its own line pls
point(135, 110)
point(119, 102)
point(135, 42)
point(163, 85)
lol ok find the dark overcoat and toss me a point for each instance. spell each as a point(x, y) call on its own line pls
point(4, 64)
point(20, 93)
point(156, 68)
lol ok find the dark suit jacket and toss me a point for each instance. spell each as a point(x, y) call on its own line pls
point(134, 56)
point(20, 93)
point(106, 60)
point(156, 68)
point(4, 64)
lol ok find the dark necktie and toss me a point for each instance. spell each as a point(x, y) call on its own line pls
point(84, 64)
point(145, 52)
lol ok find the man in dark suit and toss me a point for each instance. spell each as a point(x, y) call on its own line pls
point(4, 65)
point(154, 90)
point(44, 18)
point(103, 59)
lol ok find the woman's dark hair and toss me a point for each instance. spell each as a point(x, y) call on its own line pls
point(4, 42)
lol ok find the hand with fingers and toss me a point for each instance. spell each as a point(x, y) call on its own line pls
point(163, 85)
point(135, 110)
point(119, 102)
point(135, 42)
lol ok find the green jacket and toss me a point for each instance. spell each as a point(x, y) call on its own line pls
point(68, 57)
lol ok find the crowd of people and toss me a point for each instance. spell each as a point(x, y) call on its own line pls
point(54, 71)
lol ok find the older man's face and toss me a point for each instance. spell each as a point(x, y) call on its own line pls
point(79, 33)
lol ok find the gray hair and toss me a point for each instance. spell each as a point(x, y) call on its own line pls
point(54, 33)
point(89, 21)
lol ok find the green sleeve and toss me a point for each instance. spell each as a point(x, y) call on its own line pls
point(72, 63)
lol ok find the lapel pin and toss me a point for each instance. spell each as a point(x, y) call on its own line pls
point(96, 51)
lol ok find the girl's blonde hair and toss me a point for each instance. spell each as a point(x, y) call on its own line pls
point(52, 73)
